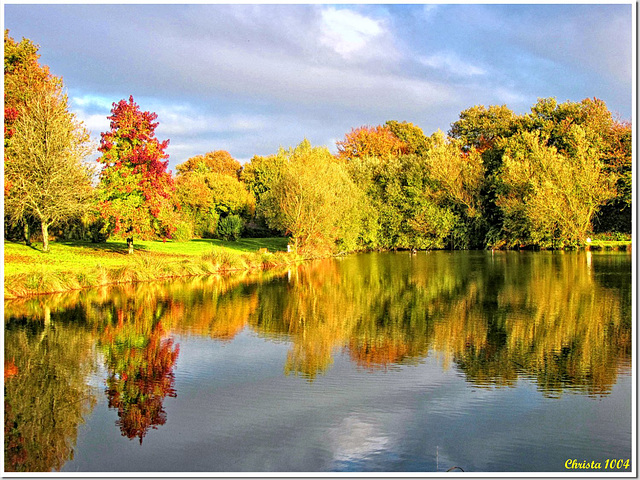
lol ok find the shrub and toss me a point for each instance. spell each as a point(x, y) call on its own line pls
point(230, 228)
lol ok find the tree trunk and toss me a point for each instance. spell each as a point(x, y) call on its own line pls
point(45, 237)
point(27, 233)
point(130, 244)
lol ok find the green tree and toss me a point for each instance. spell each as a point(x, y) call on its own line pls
point(457, 176)
point(549, 198)
point(48, 178)
point(481, 127)
point(609, 140)
point(314, 201)
point(135, 186)
point(416, 142)
point(261, 173)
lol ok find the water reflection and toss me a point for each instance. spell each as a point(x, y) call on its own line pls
point(562, 321)
point(140, 374)
point(46, 395)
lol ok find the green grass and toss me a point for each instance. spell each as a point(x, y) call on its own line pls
point(610, 245)
point(610, 241)
point(74, 265)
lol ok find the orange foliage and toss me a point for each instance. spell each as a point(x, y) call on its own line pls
point(10, 369)
point(377, 354)
point(370, 141)
point(219, 161)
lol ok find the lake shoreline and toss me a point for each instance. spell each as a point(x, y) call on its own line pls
point(29, 272)
point(152, 263)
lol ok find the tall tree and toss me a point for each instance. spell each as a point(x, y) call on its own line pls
point(24, 79)
point(481, 127)
point(135, 185)
point(48, 178)
point(315, 201)
point(549, 198)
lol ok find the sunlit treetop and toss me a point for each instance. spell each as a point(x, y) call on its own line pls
point(370, 141)
point(219, 161)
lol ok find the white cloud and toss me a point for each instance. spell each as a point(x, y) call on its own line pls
point(89, 100)
point(452, 64)
point(95, 123)
point(348, 32)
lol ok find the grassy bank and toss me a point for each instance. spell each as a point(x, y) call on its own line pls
point(620, 245)
point(76, 265)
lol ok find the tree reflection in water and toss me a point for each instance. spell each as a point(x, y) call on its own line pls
point(140, 366)
point(139, 357)
point(562, 321)
point(45, 395)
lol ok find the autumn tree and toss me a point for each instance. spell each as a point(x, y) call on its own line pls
point(209, 191)
point(416, 142)
point(370, 141)
point(549, 197)
point(457, 177)
point(24, 79)
point(219, 161)
point(609, 140)
point(481, 127)
point(314, 201)
point(135, 186)
point(48, 178)
point(615, 215)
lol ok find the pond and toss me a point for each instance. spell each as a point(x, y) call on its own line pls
point(379, 362)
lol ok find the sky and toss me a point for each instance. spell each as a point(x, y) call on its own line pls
point(250, 79)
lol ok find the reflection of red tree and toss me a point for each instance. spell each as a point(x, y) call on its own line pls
point(139, 380)
point(377, 354)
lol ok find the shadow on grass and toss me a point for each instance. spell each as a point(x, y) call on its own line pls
point(32, 245)
point(113, 247)
point(273, 244)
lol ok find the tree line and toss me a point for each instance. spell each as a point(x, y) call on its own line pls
point(545, 179)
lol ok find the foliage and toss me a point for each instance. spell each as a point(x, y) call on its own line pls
point(416, 142)
point(230, 227)
point(24, 79)
point(412, 216)
point(135, 185)
point(482, 127)
point(549, 198)
point(314, 200)
point(45, 168)
point(366, 141)
point(206, 197)
point(219, 161)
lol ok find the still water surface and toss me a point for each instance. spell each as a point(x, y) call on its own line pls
point(392, 362)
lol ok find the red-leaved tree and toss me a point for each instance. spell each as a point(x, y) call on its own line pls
point(135, 187)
